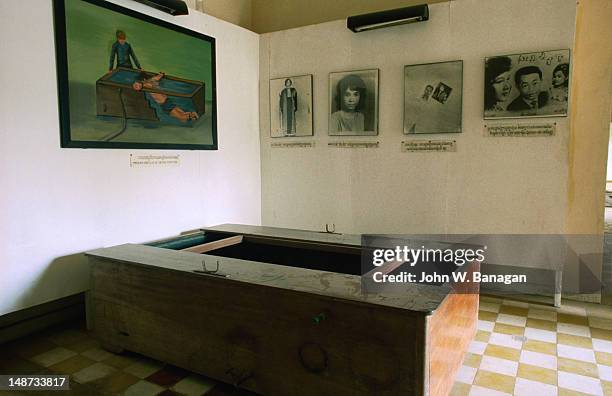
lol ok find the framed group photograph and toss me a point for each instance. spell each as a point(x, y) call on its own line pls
point(291, 106)
point(128, 80)
point(353, 100)
point(433, 97)
point(534, 84)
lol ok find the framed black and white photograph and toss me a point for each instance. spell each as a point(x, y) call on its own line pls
point(353, 99)
point(534, 84)
point(291, 106)
point(433, 97)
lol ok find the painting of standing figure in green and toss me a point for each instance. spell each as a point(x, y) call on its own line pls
point(128, 80)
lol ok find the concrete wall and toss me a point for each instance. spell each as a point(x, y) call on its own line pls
point(57, 202)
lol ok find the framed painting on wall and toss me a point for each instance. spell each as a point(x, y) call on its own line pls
point(433, 97)
point(128, 80)
point(534, 84)
point(291, 106)
point(353, 101)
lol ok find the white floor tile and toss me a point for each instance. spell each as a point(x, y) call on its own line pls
point(485, 325)
point(480, 391)
point(512, 320)
point(466, 374)
point(539, 359)
point(579, 383)
point(572, 352)
point(196, 385)
point(500, 366)
point(524, 387)
point(505, 340)
point(93, 372)
point(477, 347)
point(541, 335)
point(143, 388)
point(605, 372)
point(572, 329)
point(602, 345)
point(488, 306)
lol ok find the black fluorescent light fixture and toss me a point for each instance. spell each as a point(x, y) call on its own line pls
point(398, 16)
point(172, 7)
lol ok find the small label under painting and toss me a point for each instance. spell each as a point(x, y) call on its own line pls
point(529, 130)
point(154, 160)
point(353, 144)
point(422, 145)
point(292, 145)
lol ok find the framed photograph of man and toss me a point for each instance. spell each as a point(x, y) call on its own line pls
point(433, 97)
point(534, 84)
point(353, 103)
point(291, 106)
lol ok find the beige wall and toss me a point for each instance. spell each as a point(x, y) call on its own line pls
point(490, 185)
point(237, 12)
point(590, 117)
point(274, 15)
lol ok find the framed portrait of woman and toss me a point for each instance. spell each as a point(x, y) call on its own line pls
point(353, 103)
point(291, 106)
point(433, 97)
point(534, 84)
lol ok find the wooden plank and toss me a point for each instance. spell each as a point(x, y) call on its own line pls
point(251, 335)
point(450, 330)
point(207, 247)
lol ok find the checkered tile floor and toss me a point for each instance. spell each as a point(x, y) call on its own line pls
point(94, 371)
point(532, 349)
point(520, 348)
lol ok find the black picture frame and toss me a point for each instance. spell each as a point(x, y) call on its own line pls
point(434, 114)
point(207, 103)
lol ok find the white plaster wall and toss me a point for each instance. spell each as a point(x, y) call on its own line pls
point(56, 202)
point(490, 185)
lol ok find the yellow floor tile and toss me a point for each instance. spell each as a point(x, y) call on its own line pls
point(577, 341)
point(602, 334)
point(540, 346)
point(541, 324)
point(573, 319)
point(500, 382)
point(72, 365)
point(511, 310)
point(567, 392)
point(115, 383)
point(542, 314)
point(600, 323)
point(120, 361)
point(607, 387)
point(84, 345)
point(508, 329)
point(488, 316)
point(539, 374)
point(603, 358)
point(577, 367)
point(491, 299)
point(460, 389)
point(482, 336)
point(503, 352)
point(472, 360)
point(31, 347)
